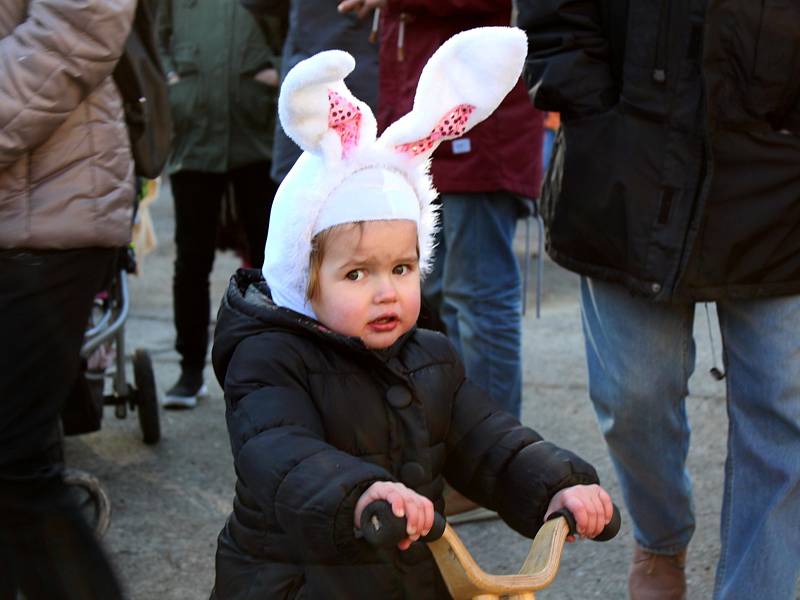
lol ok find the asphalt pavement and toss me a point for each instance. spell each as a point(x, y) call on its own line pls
point(170, 500)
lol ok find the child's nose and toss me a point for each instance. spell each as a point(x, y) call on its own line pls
point(386, 291)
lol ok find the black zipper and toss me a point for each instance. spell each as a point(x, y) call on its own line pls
point(706, 171)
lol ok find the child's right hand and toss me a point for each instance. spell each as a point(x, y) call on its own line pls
point(417, 509)
point(589, 504)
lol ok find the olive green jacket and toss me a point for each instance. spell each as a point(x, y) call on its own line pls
point(223, 118)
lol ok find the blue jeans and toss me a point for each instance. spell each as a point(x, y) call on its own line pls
point(476, 287)
point(547, 147)
point(639, 396)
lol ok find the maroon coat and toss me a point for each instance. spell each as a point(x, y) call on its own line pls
point(505, 150)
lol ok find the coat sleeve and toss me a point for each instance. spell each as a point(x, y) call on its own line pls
point(51, 62)
point(273, 28)
point(497, 462)
point(568, 66)
point(446, 8)
point(298, 480)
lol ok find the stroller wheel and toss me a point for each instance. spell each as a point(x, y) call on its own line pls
point(146, 398)
point(91, 498)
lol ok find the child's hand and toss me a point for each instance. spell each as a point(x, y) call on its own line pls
point(589, 504)
point(417, 510)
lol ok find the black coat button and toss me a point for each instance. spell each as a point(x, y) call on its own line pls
point(398, 396)
point(412, 474)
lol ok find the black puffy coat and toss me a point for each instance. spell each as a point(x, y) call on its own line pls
point(677, 171)
point(315, 418)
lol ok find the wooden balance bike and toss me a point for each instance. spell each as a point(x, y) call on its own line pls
point(464, 578)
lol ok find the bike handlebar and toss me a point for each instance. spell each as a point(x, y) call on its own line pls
point(609, 531)
point(382, 529)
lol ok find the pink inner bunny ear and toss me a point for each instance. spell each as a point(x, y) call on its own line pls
point(449, 127)
point(344, 118)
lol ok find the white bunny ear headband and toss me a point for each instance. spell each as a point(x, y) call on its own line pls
point(347, 175)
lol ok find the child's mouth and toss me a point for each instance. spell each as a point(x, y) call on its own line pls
point(386, 323)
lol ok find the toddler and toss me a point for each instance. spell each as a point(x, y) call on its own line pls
point(334, 398)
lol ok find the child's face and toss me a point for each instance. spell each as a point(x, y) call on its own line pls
point(369, 281)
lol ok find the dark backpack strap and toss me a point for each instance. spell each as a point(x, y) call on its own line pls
point(142, 84)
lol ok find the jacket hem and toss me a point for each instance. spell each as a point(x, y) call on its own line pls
point(704, 294)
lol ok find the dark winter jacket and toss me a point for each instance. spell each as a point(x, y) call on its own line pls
point(677, 171)
point(222, 116)
point(315, 418)
point(314, 26)
point(501, 154)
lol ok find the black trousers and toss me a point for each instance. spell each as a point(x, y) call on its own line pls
point(46, 548)
point(198, 198)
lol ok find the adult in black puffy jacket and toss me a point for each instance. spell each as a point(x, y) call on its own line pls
point(675, 180)
point(334, 398)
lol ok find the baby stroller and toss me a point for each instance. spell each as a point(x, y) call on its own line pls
point(103, 359)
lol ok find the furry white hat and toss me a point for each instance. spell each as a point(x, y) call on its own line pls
point(346, 175)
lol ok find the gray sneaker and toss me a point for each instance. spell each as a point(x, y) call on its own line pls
point(186, 391)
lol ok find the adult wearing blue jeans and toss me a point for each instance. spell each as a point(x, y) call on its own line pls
point(476, 287)
point(675, 181)
point(481, 178)
point(627, 342)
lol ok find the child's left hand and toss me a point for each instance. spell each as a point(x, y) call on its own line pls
point(589, 504)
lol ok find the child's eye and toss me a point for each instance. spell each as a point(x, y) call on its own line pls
point(355, 275)
point(401, 269)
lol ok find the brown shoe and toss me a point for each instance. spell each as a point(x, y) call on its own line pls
point(657, 576)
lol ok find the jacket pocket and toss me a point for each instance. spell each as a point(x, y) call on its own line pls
point(184, 94)
point(185, 58)
point(255, 58)
point(776, 64)
point(600, 198)
point(183, 101)
point(257, 102)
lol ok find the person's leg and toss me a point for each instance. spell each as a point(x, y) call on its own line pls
point(46, 548)
point(760, 527)
point(197, 198)
point(481, 305)
point(640, 356)
point(254, 191)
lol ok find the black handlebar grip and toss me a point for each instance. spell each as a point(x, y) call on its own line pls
point(382, 529)
point(609, 531)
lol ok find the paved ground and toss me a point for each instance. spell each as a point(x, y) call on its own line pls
point(170, 500)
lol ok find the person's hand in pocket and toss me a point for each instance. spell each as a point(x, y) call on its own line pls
point(268, 76)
